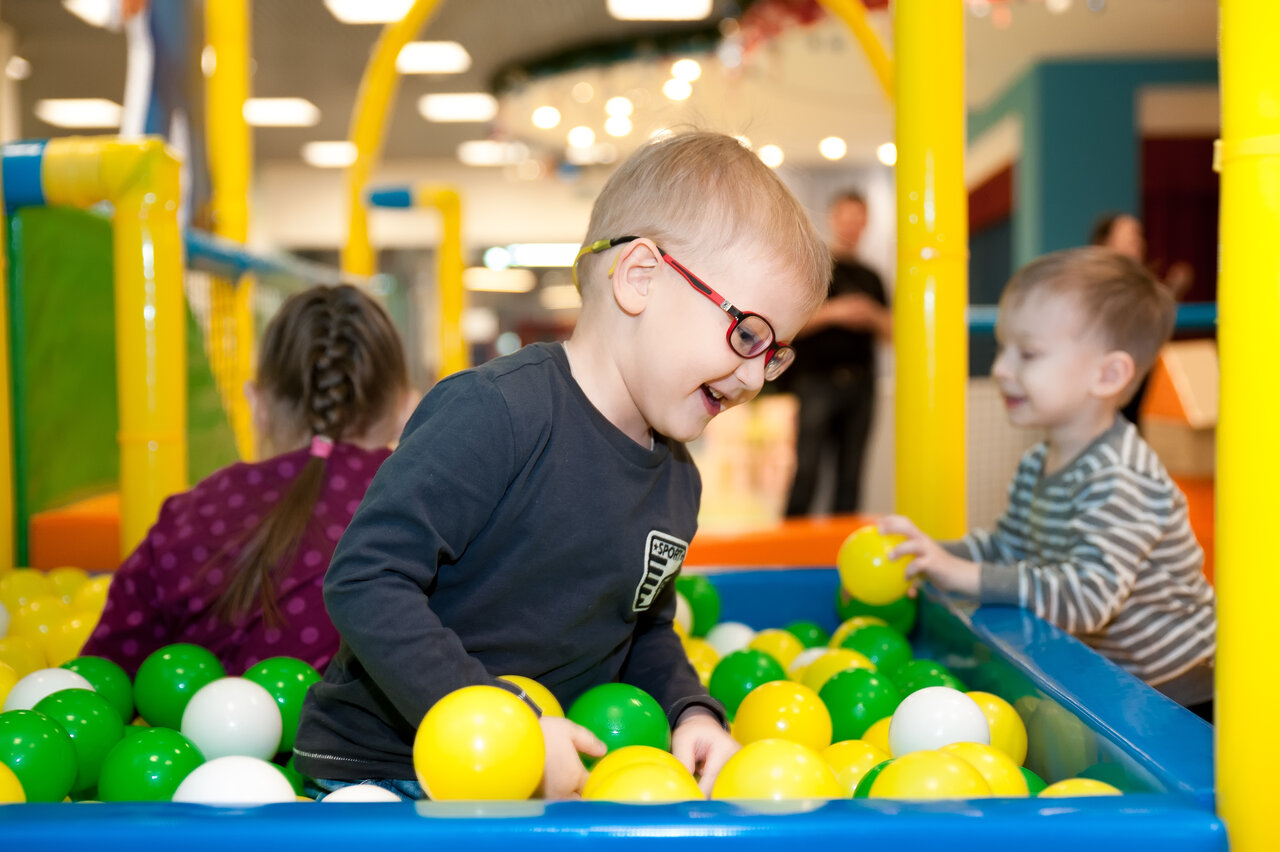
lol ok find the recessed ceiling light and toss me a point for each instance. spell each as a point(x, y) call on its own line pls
point(546, 117)
point(618, 106)
point(617, 125)
point(659, 10)
point(329, 155)
point(771, 155)
point(677, 89)
point(433, 57)
point(686, 69)
point(458, 106)
point(543, 254)
point(17, 68)
point(833, 147)
point(491, 152)
point(96, 13)
point(281, 112)
point(887, 153)
point(582, 136)
point(368, 11)
point(79, 112)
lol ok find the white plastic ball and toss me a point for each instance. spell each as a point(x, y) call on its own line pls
point(235, 780)
point(803, 659)
point(684, 614)
point(361, 793)
point(28, 691)
point(729, 636)
point(936, 716)
point(232, 715)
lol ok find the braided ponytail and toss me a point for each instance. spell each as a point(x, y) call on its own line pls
point(331, 366)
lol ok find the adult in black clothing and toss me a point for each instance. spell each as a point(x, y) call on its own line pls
point(834, 375)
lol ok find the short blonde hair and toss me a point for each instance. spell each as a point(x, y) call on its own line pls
point(697, 189)
point(1124, 304)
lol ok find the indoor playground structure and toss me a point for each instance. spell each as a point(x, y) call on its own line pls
point(1186, 785)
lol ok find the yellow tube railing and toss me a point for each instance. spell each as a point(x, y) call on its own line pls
point(140, 179)
point(854, 14)
point(7, 553)
point(930, 335)
point(1248, 456)
point(369, 123)
point(453, 349)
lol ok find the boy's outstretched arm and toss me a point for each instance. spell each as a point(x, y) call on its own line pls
point(943, 569)
point(702, 744)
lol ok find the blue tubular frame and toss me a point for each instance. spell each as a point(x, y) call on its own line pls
point(1157, 748)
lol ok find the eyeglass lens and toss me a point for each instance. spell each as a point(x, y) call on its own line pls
point(751, 336)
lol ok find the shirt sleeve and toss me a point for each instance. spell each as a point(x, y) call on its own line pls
point(659, 665)
point(132, 617)
point(1109, 533)
point(457, 451)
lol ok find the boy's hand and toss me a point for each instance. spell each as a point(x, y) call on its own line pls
point(563, 774)
point(702, 745)
point(941, 568)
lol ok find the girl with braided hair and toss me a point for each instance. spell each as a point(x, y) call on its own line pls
point(236, 564)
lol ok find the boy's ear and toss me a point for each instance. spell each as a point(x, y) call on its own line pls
point(1114, 374)
point(634, 271)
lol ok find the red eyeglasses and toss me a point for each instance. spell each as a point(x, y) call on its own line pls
point(750, 335)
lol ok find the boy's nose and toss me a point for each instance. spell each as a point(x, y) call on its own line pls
point(751, 373)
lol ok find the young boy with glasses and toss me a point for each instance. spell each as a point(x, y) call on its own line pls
point(538, 507)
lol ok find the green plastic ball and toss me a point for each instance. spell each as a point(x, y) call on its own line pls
point(857, 699)
point(94, 726)
point(287, 679)
point(917, 674)
point(900, 615)
point(740, 672)
point(167, 680)
point(108, 680)
point(621, 715)
point(884, 646)
point(1034, 782)
point(147, 765)
point(703, 599)
point(864, 783)
point(810, 633)
point(40, 753)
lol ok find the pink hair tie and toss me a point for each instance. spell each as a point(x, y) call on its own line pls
point(321, 446)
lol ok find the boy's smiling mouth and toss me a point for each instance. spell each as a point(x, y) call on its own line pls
point(712, 399)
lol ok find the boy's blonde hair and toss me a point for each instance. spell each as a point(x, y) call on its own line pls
point(698, 190)
point(1123, 303)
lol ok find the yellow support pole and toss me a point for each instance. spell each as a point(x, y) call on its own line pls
point(1248, 455)
point(854, 14)
point(140, 179)
point(368, 123)
point(930, 335)
point(7, 554)
point(230, 165)
point(453, 349)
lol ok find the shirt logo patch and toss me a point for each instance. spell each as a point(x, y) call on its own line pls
point(663, 557)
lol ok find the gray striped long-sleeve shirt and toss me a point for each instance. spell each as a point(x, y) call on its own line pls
point(1103, 549)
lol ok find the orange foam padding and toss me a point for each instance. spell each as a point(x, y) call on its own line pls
point(1199, 494)
point(84, 534)
point(793, 542)
point(1184, 384)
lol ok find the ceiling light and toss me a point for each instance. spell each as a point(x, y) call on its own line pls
point(618, 106)
point(559, 297)
point(483, 279)
point(208, 60)
point(617, 125)
point(79, 112)
point(497, 257)
point(458, 106)
point(771, 155)
point(677, 89)
point(687, 70)
point(582, 92)
point(491, 152)
point(659, 10)
point(17, 68)
point(433, 57)
point(1057, 7)
point(96, 13)
point(329, 155)
point(368, 11)
point(833, 147)
point(582, 136)
point(546, 117)
point(543, 254)
point(887, 153)
point(281, 112)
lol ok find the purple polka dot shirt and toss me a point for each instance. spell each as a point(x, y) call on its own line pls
point(159, 596)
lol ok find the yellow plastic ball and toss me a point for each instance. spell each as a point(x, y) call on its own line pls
point(11, 792)
point(878, 734)
point(23, 653)
point(680, 629)
point(866, 571)
point(852, 759)
point(836, 660)
point(785, 710)
point(65, 581)
point(1001, 773)
point(1079, 787)
point(780, 644)
point(625, 757)
point(800, 665)
point(479, 743)
point(92, 594)
point(851, 624)
point(67, 637)
point(37, 617)
point(646, 782)
point(539, 693)
point(21, 585)
point(925, 775)
point(8, 677)
point(1008, 733)
point(776, 770)
point(703, 656)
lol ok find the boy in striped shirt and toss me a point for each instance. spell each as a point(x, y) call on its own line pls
point(1095, 538)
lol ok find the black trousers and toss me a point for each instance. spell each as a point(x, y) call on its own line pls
point(835, 416)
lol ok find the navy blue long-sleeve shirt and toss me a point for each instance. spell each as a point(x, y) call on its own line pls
point(514, 531)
